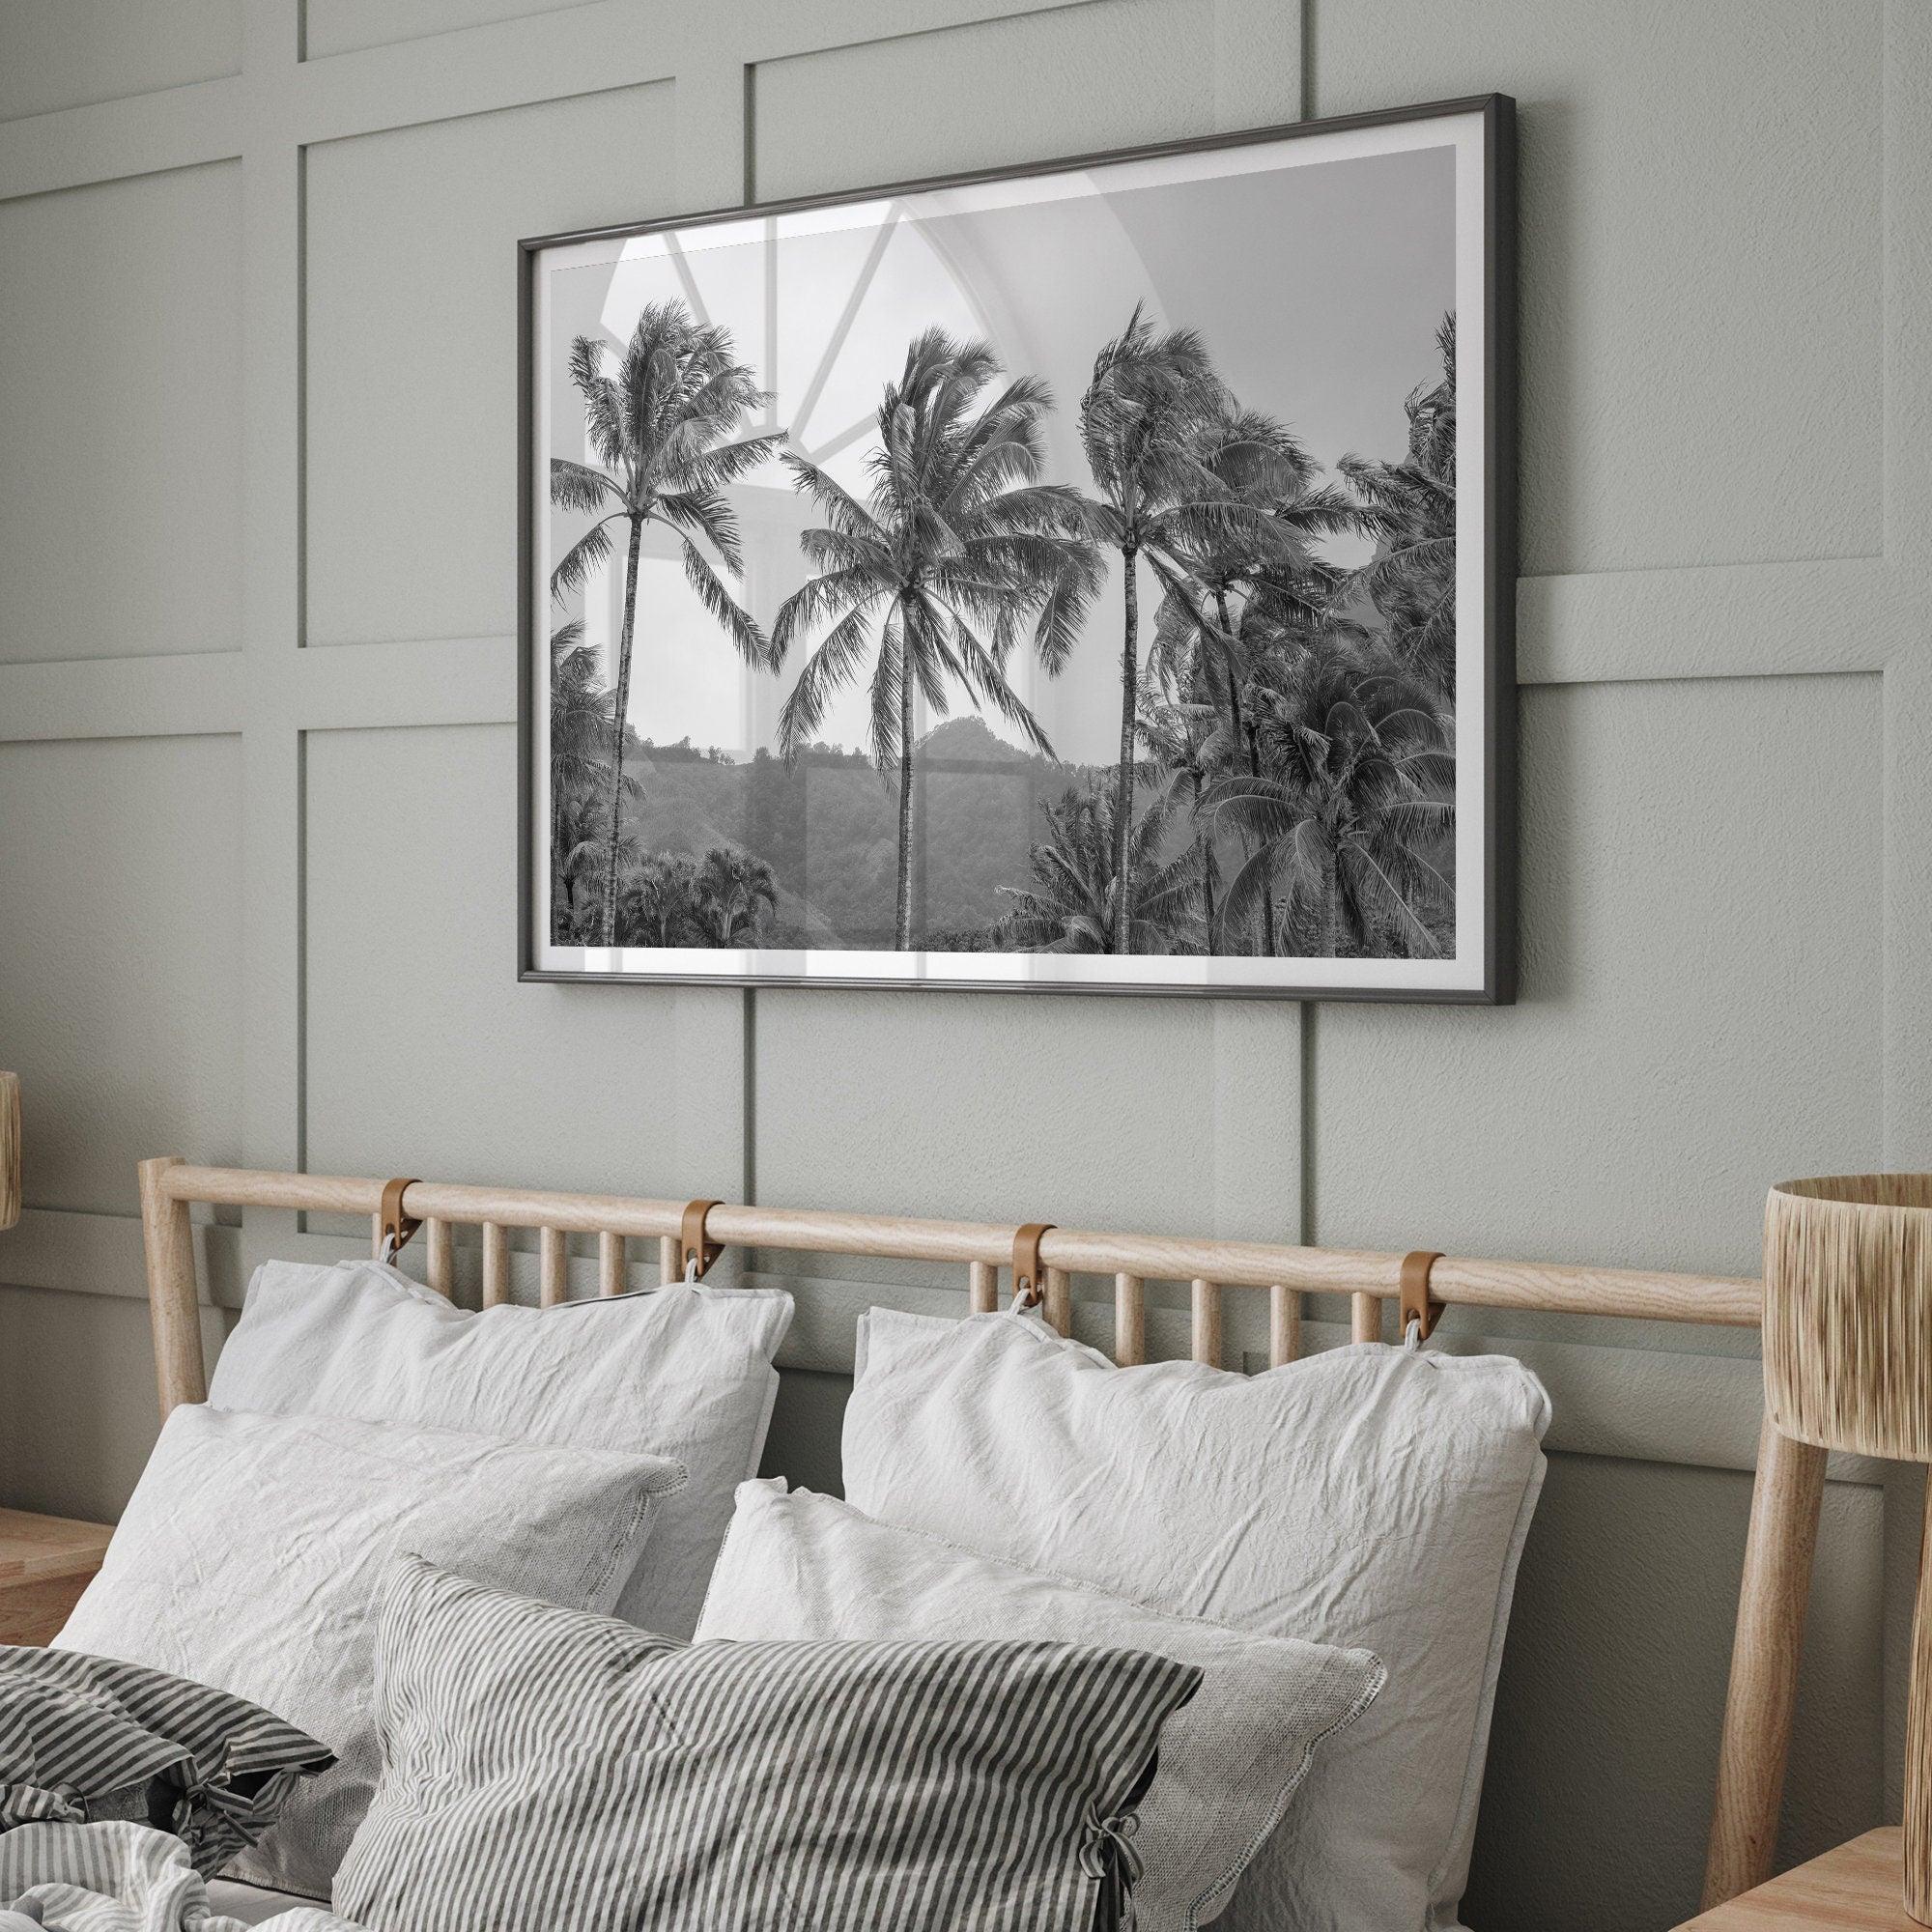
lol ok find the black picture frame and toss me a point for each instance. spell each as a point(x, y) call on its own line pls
point(1497, 741)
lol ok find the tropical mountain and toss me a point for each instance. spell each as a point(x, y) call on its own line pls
point(828, 830)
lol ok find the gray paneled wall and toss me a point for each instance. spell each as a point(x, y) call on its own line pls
point(257, 823)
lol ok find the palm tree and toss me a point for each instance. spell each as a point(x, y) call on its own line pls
point(580, 710)
point(1352, 809)
point(937, 573)
point(1409, 508)
point(1184, 745)
point(731, 896)
point(1141, 425)
point(580, 724)
point(576, 858)
point(1074, 901)
point(671, 900)
point(659, 427)
point(1265, 556)
point(580, 851)
point(655, 906)
point(1264, 564)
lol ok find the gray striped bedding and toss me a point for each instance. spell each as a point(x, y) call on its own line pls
point(548, 1770)
point(122, 1877)
point(85, 1738)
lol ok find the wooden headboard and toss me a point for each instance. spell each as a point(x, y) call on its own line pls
point(1044, 1260)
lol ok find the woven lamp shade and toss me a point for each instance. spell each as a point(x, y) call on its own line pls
point(1848, 1364)
point(1848, 1313)
point(9, 1149)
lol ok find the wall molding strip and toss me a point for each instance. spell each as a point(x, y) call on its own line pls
point(1722, 620)
point(144, 134)
point(1741, 621)
point(194, 695)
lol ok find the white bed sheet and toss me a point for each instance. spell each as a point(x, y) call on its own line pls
point(252, 1903)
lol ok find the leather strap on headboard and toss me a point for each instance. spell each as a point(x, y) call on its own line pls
point(1418, 1305)
point(1029, 1278)
point(693, 1249)
point(394, 1224)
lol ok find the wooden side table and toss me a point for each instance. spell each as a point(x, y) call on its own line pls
point(1859, 1888)
point(45, 1563)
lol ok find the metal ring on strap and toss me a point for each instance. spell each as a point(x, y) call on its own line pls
point(395, 1225)
point(1029, 1277)
point(1418, 1305)
point(693, 1250)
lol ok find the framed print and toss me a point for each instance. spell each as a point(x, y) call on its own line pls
point(1095, 576)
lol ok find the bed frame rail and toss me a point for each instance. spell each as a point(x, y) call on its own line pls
point(1790, 1475)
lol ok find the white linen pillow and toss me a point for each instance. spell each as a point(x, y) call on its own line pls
point(252, 1554)
point(801, 1566)
point(684, 1371)
point(1374, 1496)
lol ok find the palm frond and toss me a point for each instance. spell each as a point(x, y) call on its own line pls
point(708, 513)
point(732, 618)
point(584, 556)
point(1408, 509)
point(818, 598)
point(602, 412)
point(844, 512)
point(1063, 611)
point(982, 672)
point(723, 463)
point(829, 550)
point(888, 675)
point(576, 486)
point(1386, 882)
point(831, 667)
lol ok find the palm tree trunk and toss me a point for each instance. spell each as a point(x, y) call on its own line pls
point(902, 937)
point(1123, 780)
point(1268, 864)
point(1354, 929)
point(1234, 677)
point(1204, 851)
point(1244, 735)
point(619, 713)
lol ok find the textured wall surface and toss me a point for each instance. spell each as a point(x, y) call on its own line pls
point(257, 702)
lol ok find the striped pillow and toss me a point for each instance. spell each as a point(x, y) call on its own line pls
point(85, 1738)
point(546, 1767)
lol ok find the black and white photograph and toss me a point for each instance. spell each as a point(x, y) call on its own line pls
point(1073, 577)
